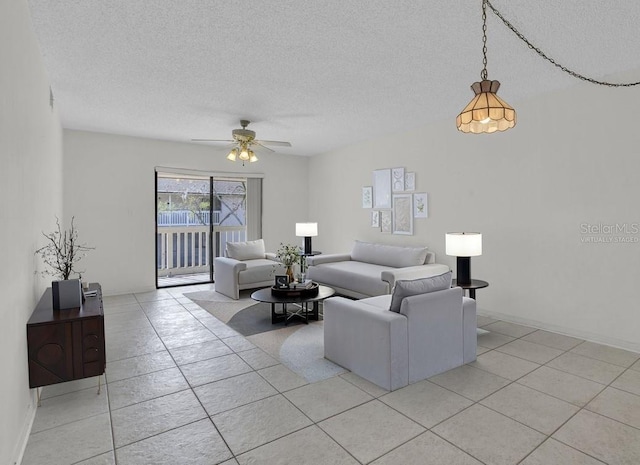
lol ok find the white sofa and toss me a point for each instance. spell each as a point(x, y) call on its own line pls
point(246, 266)
point(372, 269)
point(432, 333)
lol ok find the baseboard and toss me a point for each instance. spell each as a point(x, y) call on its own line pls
point(21, 444)
point(586, 335)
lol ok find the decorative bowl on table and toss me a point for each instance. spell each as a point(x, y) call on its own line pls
point(296, 291)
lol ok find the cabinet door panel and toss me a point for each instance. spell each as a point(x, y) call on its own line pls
point(50, 354)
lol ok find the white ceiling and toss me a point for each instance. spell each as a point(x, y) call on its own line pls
point(319, 73)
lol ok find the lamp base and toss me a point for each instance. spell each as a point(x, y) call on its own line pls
point(463, 270)
point(307, 245)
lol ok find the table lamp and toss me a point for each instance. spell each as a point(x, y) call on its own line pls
point(307, 230)
point(463, 245)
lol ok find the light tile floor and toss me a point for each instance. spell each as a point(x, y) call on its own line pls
point(183, 388)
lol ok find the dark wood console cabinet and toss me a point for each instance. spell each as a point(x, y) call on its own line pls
point(67, 344)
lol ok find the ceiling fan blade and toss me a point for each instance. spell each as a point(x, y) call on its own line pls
point(278, 143)
point(255, 142)
point(211, 140)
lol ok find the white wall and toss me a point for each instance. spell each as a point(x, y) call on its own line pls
point(30, 186)
point(109, 188)
point(573, 158)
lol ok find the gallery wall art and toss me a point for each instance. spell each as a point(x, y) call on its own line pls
point(397, 179)
point(403, 214)
point(367, 197)
point(393, 200)
point(382, 188)
point(420, 207)
point(375, 219)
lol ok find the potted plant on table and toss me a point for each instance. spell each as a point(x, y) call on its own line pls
point(61, 254)
point(288, 255)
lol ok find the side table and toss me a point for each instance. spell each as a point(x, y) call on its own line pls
point(475, 284)
point(64, 345)
point(303, 260)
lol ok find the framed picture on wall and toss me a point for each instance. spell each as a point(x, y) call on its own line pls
point(385, 221)
point(382, 188)
point(367, 197)
point(397, 179)
point(410, 182)
point(375, 219)
point(420, 205)
point(403, 214)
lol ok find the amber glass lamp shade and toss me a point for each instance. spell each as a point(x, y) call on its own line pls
point(487, 112)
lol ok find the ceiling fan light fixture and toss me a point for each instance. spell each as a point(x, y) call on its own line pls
point(244, 153)
point(243, 140)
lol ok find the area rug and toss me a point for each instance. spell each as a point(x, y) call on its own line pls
point(256, 319)
point(298, 346)
point(220, 306)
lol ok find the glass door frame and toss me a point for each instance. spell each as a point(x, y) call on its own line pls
point(214, 233)
point(210, 243)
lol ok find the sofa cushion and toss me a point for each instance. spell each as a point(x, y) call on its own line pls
point(249, 250)
point(362, 278)
point(388, 255)
point(258, 271)
point(405, 288)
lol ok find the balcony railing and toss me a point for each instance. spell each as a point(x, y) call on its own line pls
point(187, 218)
point(183, 249)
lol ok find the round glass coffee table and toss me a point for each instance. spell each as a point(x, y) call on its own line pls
point(296, 306)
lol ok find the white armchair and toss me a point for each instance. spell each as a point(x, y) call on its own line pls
point(246, 266)
point(432, 333)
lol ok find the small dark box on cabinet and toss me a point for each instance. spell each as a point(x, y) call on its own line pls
point(66, 294)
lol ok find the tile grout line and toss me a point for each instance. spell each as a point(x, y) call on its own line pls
point(191, 388)
point(378, 397)
point(580, 408)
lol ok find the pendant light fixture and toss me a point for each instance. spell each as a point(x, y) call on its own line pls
point(487, 112)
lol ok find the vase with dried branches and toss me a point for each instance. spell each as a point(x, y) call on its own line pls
point(62, 252)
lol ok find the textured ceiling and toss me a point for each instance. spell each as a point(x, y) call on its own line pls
point(321, 74)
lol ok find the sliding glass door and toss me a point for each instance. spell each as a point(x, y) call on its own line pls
point(195, 218)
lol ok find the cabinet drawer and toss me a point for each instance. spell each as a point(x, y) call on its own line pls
point(93, 369)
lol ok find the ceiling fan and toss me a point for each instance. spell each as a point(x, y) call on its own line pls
point(243, 140)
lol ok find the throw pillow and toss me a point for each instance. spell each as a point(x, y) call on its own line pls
point(406, 288)
point(250, 250)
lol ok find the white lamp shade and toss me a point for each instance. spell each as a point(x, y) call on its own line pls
point(463, 244)
point(306, 229)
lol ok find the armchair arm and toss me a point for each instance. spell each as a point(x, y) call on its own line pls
point(271, 256)
point(436, 332)
point(225, 276)
point(412, 272)
point(370, 342)
point(328, 258)
point(230, 264)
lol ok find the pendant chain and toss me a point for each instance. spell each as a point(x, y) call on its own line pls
point(483, 74)
point(537, 50)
